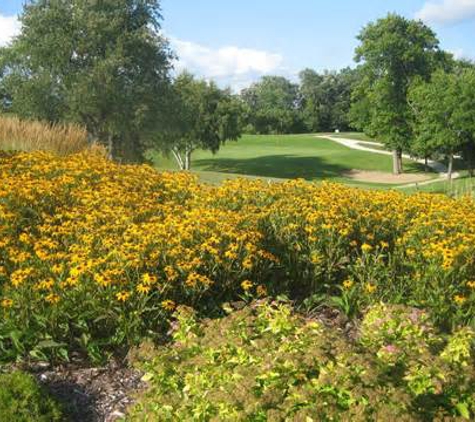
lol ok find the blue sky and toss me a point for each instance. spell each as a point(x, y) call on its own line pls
point(237, 41)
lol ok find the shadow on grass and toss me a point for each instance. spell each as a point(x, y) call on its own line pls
point(280, 166)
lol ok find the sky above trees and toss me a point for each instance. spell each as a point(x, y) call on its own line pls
point(235, 43)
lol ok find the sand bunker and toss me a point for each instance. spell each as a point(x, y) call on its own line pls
point(380, 177)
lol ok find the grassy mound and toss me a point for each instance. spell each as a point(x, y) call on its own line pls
point(264, 363)
point(23, 400)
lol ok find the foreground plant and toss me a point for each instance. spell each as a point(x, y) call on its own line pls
point(23, 400)
point(265, 363)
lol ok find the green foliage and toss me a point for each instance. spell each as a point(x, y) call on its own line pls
point(444, 111)
point(266, 363)
point(201, 116)
point(320, 102)
point(393, 51)
point(23, 400)
point(325, 99)
point(273, 106)
point(393, 331)
point(104, 66)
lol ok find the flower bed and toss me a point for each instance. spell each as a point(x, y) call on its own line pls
point(94, 256)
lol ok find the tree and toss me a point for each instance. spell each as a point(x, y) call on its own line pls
point(103, 64)
point(445, 113)
point(393, 52)
point(326, 99)
point(312, 99)
point(201, 116)
point(273, 105)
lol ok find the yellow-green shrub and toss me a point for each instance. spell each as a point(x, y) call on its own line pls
point(22, 399)
point(265, 363)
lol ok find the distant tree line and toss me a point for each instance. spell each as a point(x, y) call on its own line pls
point(106, 65)
point(320, 102)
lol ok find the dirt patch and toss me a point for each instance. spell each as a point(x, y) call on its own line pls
point(380, 177)
point(91, 394)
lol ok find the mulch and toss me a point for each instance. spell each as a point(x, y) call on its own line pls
point(91, 394)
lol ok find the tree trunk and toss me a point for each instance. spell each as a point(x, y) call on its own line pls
point(450, 168)
point(110, 145)
point(399, 161)
point(396, 168)
point(426, 166)
point(188, 160)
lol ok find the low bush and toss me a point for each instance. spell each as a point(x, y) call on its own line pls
point(265, 363)
point(22, 399)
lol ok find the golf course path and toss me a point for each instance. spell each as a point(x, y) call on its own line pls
point(357, 144)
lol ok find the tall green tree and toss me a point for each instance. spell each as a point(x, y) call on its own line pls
point(326, 98)
point(312, 99)
point(445, 114)
point(273, 104)
point(201, 116)
point(103, 64)
point(393, 51)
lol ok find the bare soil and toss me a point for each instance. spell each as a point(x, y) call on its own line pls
point(91, 394)
point(381, 177)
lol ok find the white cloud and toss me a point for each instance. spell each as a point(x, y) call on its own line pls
point(9, 27)
point(458, 53)
point(230, 65)
point(447, 11)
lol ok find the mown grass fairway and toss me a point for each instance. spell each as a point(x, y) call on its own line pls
point(286, 157)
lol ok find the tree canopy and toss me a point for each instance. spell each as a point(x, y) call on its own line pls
point(325, 99)
point(393, 51)
point(102, 64)
point(444, 111)
point(273, 105)
point(200, 116)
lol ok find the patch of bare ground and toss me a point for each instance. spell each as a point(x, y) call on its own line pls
point(381, 177)
point(91, 394)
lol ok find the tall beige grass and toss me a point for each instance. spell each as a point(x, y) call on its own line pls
point(28, 135)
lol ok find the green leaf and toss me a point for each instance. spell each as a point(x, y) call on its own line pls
point(49, 344)
point(463, 410)
point(147, 377)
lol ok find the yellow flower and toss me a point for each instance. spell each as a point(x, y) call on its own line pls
point(57, 268)
point(384, 244)
point(246, 285)
point(247, 264)
point(122, 296)
point(370, 288)
point(52, 298)
point(148, 279)
point(143, 288)
point(315, 258)
point(365, 247)
point(459, 299)
point(347, 284)
point(7, 303)
point(168, 305)
point(471, 284)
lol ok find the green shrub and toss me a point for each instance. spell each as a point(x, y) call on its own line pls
point(22, 399)
point(265, 363)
